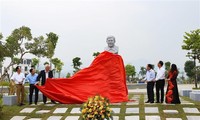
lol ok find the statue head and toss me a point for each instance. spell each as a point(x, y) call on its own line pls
point(110, 41)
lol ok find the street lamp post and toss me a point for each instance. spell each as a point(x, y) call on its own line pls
point(192, 55)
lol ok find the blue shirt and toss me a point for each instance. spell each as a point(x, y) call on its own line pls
point(150, 75)
point(32, 78)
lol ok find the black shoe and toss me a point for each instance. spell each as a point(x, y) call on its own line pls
point(30, 103)
point(152, 102)
point(157, 102)
point(147, 102)
point(53, 102)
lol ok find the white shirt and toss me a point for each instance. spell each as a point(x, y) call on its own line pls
point(47, 74)
point(150, 75)
point(160, 74)
point(114, 49)
point(18, 78)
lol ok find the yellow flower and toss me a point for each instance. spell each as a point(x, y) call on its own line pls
point(102, 116)
point(84, 111)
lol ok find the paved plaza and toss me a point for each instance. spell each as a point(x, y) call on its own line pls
point(131, 111)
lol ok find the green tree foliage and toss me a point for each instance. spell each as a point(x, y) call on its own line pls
point(167, 66)
point(76, 64)
point(58, 64)
point(142, 71)
point(130, 71)
point(95, 54)
point(35, 62)
point(51, 41)
point(68, 75)
point(38, 47)
point(191, 43)
point(16, 45)
point(189, 66)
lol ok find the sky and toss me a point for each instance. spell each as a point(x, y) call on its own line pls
point(146, 31)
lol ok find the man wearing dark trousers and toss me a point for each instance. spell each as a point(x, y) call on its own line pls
point(44, 74)
point(150, 77)
point(32, 78)
point(160, 82)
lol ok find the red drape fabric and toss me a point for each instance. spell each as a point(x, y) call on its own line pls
point(105, 76)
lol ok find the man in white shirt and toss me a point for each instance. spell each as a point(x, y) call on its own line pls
point(150, 77)
point(111, 45)
point(18, 79)
point(160, 82)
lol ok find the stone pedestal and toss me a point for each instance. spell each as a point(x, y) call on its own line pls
point(195, 95)
point(185, 92)
point(10, 100)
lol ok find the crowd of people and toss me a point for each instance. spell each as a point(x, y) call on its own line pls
point(158, 79)
point(34, 79)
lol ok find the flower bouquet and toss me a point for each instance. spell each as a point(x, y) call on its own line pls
point(96, 108)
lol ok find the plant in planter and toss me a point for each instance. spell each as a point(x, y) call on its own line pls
point(96, 108)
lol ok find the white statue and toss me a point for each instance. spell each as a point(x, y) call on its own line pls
point(111, 45)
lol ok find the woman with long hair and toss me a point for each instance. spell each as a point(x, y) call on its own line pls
point(172, 96)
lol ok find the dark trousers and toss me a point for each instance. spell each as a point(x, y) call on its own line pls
point(150, 92)
point(45, 99)
point(160, 88)
point(31, 89)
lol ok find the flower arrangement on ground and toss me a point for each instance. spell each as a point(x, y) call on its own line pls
point(96, 108)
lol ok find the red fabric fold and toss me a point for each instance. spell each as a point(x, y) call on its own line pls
point(105, 77)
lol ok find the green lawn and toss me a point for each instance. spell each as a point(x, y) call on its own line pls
point(10, 111)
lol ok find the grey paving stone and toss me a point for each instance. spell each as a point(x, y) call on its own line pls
point(75, 110)
point(60, 110)
point(132, 110)
point(116, 110)
point(42, 111)
point(35, 119)
point(115, 103)
point(152, 117)
point(132, 118)
point(72, 118)
point(54, 117)
point(193, 117)
point(18, 118)
point(132, 103)
point(190, 110)
point(170, 111)
point(27, 110)
point(115, 117)
point(50, 105)
point(151, 109)
point(173, 119)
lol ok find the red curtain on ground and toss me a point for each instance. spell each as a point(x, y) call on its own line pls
point(105, 77)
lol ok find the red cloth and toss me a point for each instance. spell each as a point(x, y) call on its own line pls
point(105, 77)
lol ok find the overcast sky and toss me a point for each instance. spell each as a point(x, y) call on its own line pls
point(146, 31)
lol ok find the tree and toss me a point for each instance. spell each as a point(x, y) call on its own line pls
point(192, 44)
point(142, 71)
point(68, 75)
point(58, 64)
point(16, 46)
point(35, 62)
point(189, 66)
point(167, 66)
point(95, 54)
point(76, 64)
point(51, 43)
point(130, 71)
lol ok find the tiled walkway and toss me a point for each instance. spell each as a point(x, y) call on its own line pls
point(131, 111)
